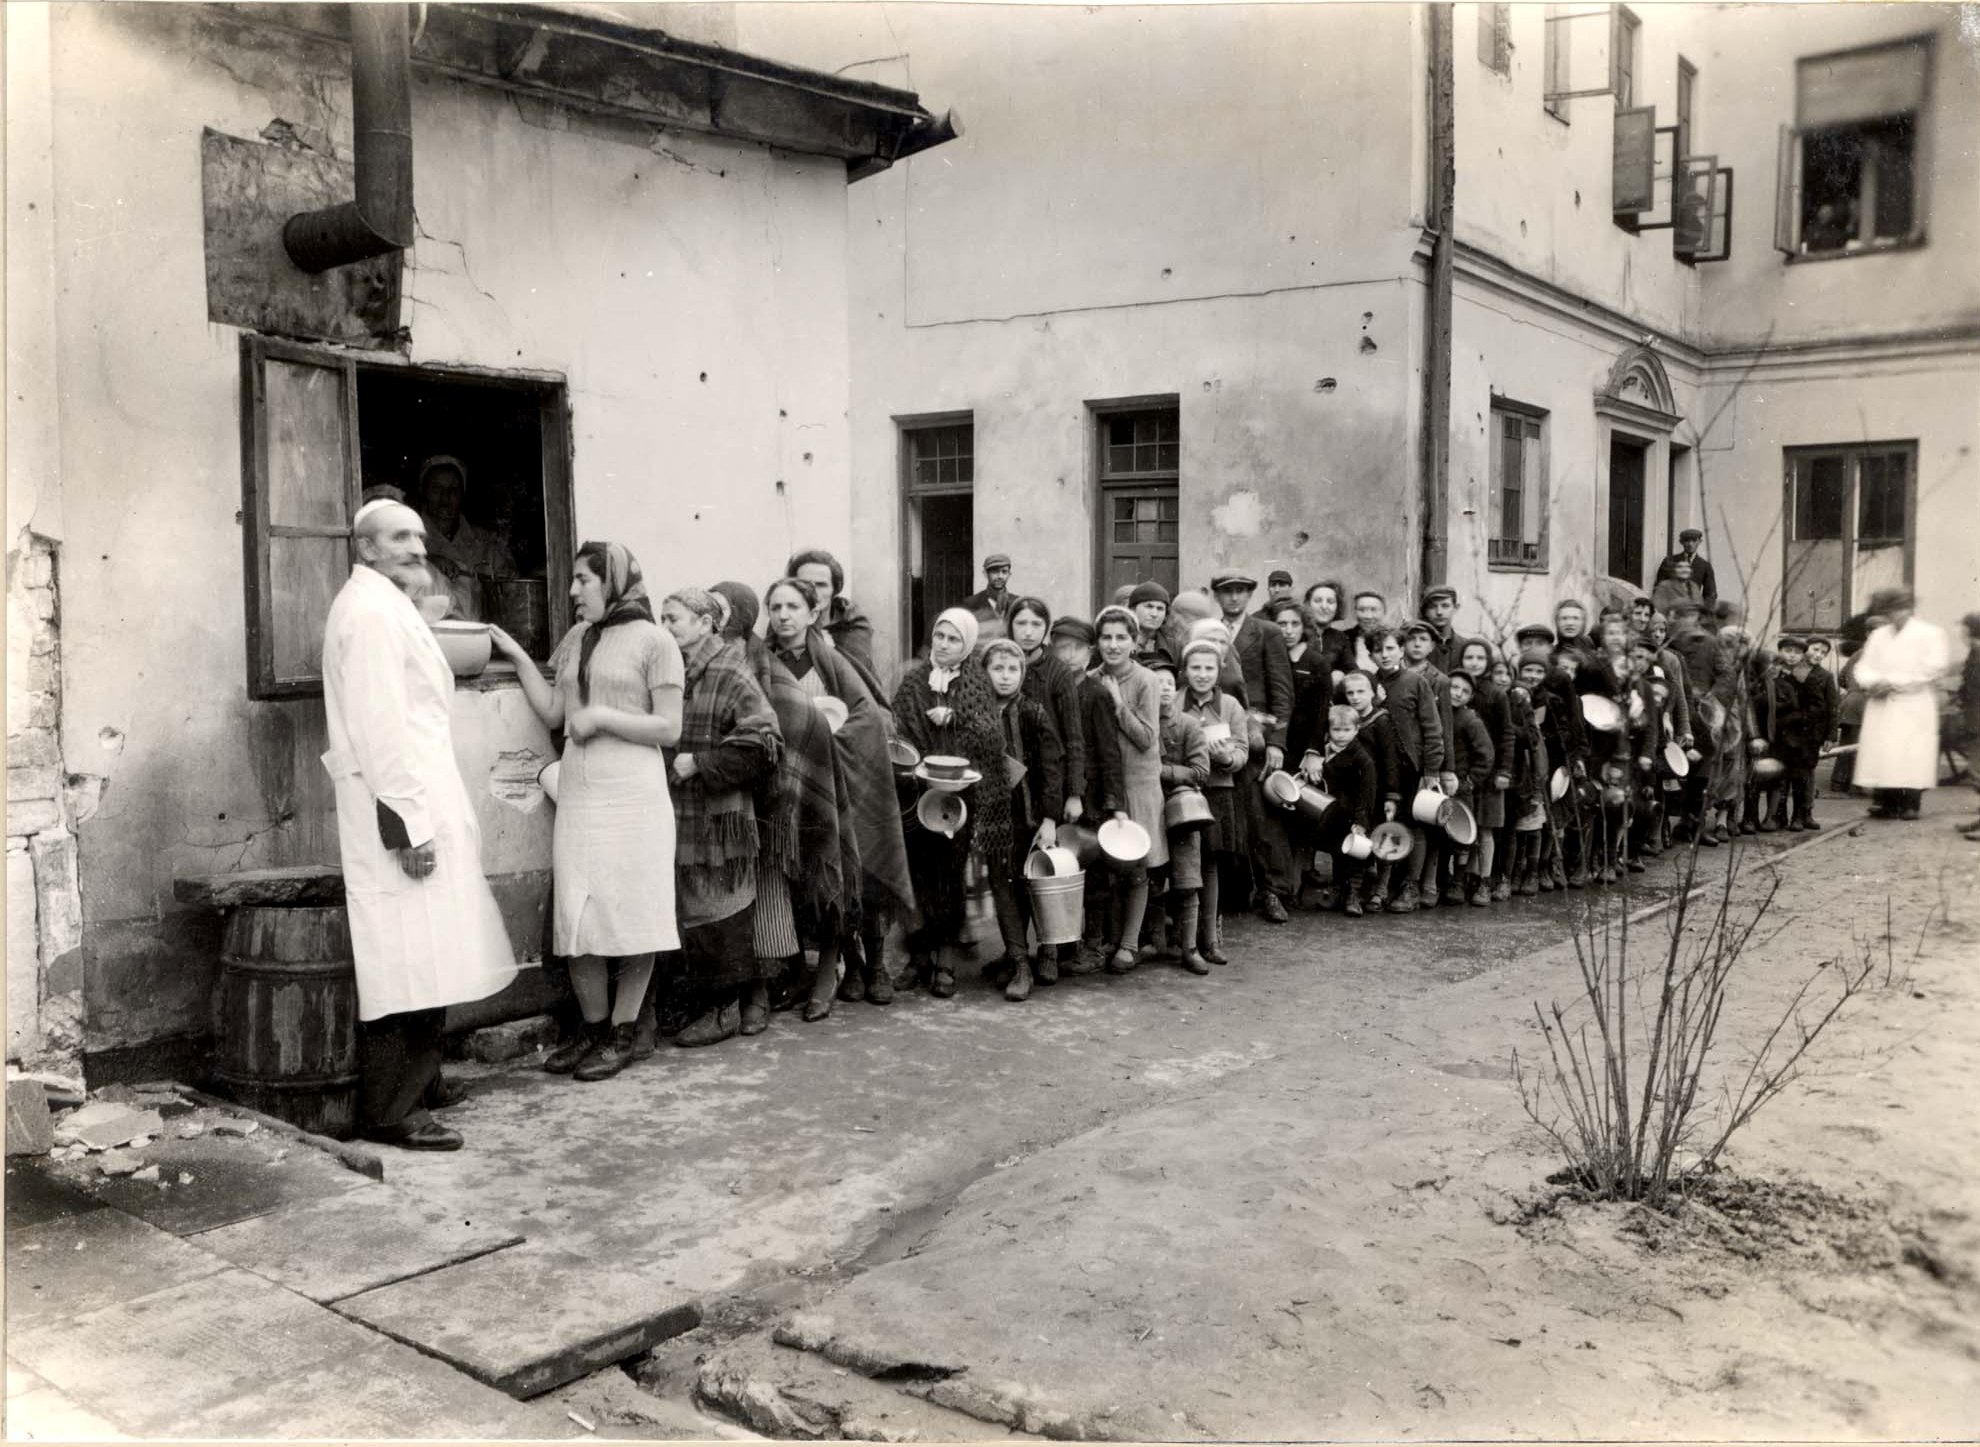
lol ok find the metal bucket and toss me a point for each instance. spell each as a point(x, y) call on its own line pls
point(1058, 906)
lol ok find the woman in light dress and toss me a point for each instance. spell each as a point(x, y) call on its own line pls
point(615, 691)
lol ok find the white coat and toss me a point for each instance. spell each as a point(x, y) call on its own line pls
point(419, 943)
point(1899, 746)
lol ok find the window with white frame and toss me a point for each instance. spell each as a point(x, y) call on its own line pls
point(1516, 539)
point(1851, 166)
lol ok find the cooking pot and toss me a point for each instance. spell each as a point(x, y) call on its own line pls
point(520, 607)
point(1459, 824)
point(1604, 714)
point(1186, 808)
point(1391, 842)
point(1280, 788)
point(1766, 770)
point(1313, 803)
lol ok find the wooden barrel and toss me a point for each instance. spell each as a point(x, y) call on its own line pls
point(286, 1016)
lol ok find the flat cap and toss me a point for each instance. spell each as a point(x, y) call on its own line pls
point(1070, 627)
point(996, 560)
point(1232, 578)
point(1416, 626)
point(1534, 632)
point(1439, 592)
point(1691, 535)
point(1278, 575)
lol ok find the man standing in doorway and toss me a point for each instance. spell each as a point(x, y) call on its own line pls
point(425, 932)
point(1260, 650)
point(994, 601)
point(1900, 668)
point(459, 551)
point(1701, 568)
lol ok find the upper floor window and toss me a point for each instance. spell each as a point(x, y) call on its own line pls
point(1687, 99)
point(1623, 33)
point(1495, 37)
point(1849, 178)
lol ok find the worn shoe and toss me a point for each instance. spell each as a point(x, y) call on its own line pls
point(1530, 884)
point(1330, 899)
point(1502, 890)
point(646, 1031)
point(1406, 902)
point(1480, 895)
point(755, 1020)
point(851, 985)
point(1636, 866)
point(430, 1136)
point(1271, 908)
point(1045, 969)
point(1089, 959)
point(1908, 812)
point(1123, 960)
point(999, 972)
point(1578, 879)
point(879, 986)
point(1019, 989)
point(609, 1056)
point(942, 984)
point(1427, 896)
point(711, 1029)
point(1195, 963)
point(443, 1093)
point(1748, 826)
point(1377, 901)
point(1353, 905)
point(564, 1059)
point(1770, 826)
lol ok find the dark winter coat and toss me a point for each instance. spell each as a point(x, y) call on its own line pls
point(1351, 777)
point(1805, 712)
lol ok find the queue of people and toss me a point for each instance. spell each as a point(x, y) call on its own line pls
point(742, 811)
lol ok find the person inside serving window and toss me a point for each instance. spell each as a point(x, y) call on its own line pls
point(456, 549)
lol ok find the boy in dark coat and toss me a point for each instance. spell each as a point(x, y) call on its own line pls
point(1346, 770)
point(1805, 706)
point(1474, 757)
point(1378, 738)
point(1103, 792)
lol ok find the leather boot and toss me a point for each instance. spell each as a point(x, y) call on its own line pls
point(609, 1056)
point(646, 1029)
point(1186, 937)
point(564, 1059)
point(1019, 989)
point(1353, 905)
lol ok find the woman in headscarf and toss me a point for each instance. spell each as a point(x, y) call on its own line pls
point(618, 681)
point(944, 706)
point(806, 859)
point(729, 740)
point(874, 819)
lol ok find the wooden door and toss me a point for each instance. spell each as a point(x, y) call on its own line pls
point(948, 569)
point(1142, 540)
point(1626, 509)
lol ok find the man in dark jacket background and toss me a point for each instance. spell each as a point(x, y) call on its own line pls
point(1260, 650)
point(1701, 567)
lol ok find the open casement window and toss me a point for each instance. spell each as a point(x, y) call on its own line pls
point(300, 484)
point(1576, 51)
point(1633, 173)
point(1517, 539)
point(1849, 175)
point(1702, 211)
point(1849, 529)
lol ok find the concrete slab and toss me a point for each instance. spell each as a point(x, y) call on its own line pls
point(47, 1414)
point(233, 1179)
point(527, 1320)
point(30, 1129)
point(34, 1196)
point(78, 1264)
point(353, 1241)
point(154, 1365)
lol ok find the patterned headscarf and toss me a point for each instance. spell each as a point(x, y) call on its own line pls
point(965, 623)
point(625, 601)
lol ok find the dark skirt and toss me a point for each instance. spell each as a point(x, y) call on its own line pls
point(1229, 834)
point(936, 868)
point(1490, 808)
point(722, 953)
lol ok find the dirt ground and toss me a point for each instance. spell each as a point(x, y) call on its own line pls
point(1297, 1199)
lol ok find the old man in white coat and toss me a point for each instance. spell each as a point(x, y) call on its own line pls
point(1900, 668)
point(425, 931)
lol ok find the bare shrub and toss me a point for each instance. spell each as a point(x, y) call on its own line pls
point(1639, 1117)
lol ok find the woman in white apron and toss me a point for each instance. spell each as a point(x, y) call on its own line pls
point(617, 696)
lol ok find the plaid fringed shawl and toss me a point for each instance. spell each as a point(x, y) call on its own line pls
point(799, 808)
point(977, 734)
point(861, 745)
point(727, 724)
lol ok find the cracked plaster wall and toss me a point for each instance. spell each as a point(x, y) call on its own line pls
point(694, 300)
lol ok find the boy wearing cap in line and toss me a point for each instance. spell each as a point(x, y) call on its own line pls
point(1805, 707)
point(1473, 756)
point(1438, 608)
point(1260, 652)
point(1278, 589)
point(1344, 768)
point(1414, 703)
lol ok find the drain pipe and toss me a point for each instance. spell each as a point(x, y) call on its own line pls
point(1435, 559)
point(380, 219)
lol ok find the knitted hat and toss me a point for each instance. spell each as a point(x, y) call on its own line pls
point(998, 646)
point(1148, 592)
point(1203, 645)
point(1541, 656)
point(1079, 628)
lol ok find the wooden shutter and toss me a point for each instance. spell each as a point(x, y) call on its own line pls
point(1787, 192)
point(1635, 162)
point(300, 471)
